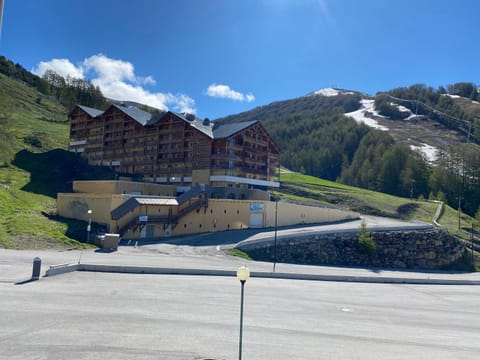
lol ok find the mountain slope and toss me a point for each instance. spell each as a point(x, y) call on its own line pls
point(420, 149)
point(38, 166)
point(313, 132)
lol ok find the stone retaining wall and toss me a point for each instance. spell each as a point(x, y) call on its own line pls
point(430, 249)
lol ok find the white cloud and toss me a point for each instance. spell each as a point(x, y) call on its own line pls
point(117, 80)
point(225, 92)
point(62, 67)
point(110, 70)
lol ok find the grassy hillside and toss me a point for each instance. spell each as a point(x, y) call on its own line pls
point(420, 155)
point(304, 188)
point(40, 167)
point(40, 123)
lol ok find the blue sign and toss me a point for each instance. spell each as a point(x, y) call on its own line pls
point(256, 207)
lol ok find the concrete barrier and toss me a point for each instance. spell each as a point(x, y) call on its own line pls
point(61, 269)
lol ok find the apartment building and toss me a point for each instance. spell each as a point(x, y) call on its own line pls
point(175, 148)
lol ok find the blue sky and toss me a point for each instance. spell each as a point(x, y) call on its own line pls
point(221, 57)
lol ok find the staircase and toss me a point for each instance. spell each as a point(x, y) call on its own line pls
point(171, 220)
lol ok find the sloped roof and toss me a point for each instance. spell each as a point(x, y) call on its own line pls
point(90, 111)
point(223, 131)
point(144, 118)
point(135, 201)
point(198, 124)
point(140, 116)
point(156, 200)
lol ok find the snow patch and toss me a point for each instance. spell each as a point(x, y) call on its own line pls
point(403, 108)
point(331, 92)
point(452, 96)
point(360, 115)
point(430, 153)
point(407, 110)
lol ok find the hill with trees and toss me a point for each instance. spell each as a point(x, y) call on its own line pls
point(35, 165)
point(314, 133)
point(318, 138)
point(68, 91)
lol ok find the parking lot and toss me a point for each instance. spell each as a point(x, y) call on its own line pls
point(85, 315)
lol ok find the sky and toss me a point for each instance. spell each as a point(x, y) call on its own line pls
point(220, 57)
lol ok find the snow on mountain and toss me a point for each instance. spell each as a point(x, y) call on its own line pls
point(330, 92)
point(406, 110)
point(453, 96)
point(430, 153)
point(362, 115)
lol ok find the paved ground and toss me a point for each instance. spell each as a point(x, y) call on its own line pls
point(123, 316)
point(86, 315)
point(205, 252)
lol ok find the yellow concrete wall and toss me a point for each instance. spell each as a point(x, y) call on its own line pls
point(143, 210)
point(293, 214)
point(98, 187)
point(254, 194)
point(123, 187)
point(75, 206)
point(220, 215)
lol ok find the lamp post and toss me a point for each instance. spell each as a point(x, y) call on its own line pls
point(471, 243)
point(459, 210)
point(275, 237)
point(89, 226)
point(242, 274)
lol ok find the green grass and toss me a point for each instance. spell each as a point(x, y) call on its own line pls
point(29, 184)
point(25, 217)
point(41, 167)
point(37, 116)
point(304, 188)
point(238, 253)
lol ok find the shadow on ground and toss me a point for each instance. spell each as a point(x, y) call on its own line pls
point(53, 171)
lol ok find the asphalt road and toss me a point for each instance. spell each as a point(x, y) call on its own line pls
point(116, 316)
point(232, 237)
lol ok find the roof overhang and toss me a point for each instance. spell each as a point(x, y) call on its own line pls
point(242, 180)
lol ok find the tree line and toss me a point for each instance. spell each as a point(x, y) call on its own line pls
point(437, 104)
point(68, 91)
point(316, 138)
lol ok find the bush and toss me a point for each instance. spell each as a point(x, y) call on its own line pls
point(33, 140)
point(366, 243)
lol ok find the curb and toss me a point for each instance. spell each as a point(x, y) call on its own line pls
point(65, 268)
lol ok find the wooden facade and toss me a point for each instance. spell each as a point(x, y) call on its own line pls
point(178, 148)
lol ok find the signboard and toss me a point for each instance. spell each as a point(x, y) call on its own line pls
point(143, 218)
point(256, 207)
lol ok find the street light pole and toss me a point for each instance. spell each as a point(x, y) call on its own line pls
point(242, 274)
point(89, 226)
point(459, 210)
point(275, 238)
point(471, 243)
